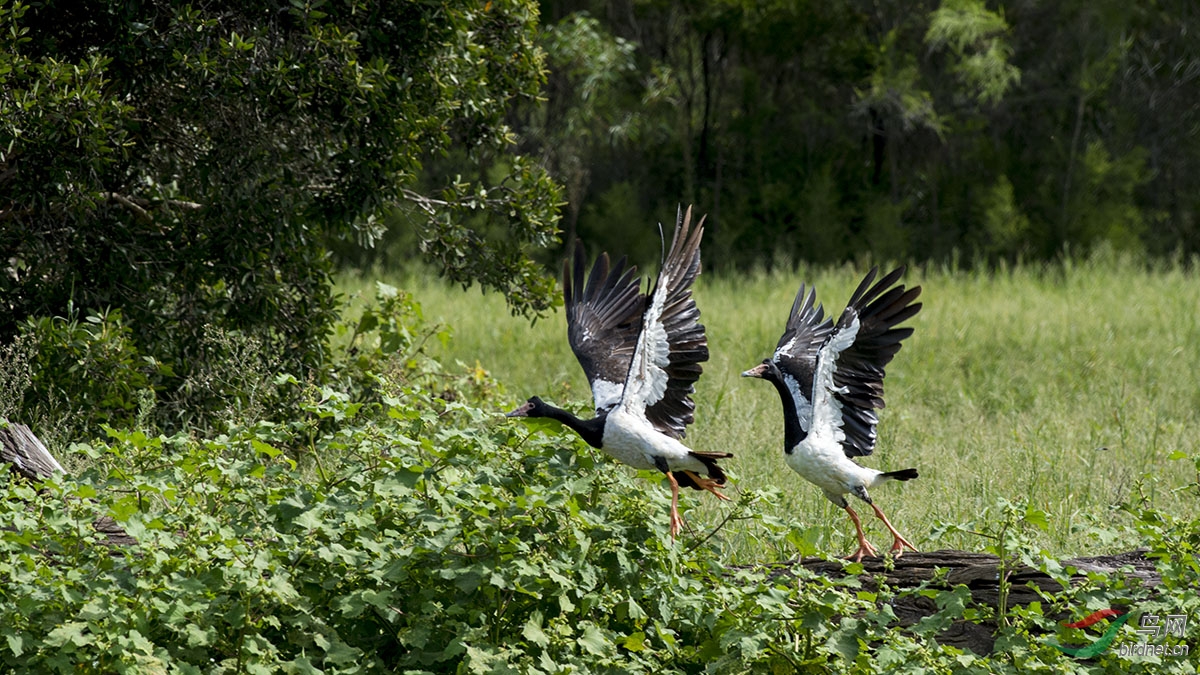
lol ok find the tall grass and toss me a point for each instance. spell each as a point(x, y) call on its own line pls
point(1066, 385)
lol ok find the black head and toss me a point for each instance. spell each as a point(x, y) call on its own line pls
point(534, 407)
point(766, 370)
point(591, 430)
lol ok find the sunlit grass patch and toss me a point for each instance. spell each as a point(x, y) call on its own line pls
point(1065, 384)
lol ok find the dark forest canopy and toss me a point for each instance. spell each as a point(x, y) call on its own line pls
point(826, 131)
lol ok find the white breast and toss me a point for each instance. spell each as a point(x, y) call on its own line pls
point(633, 441)
point(826, 466)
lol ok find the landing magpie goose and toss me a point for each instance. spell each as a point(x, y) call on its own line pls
point(830, 379)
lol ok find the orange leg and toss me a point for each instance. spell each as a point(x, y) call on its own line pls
point(676, 519)
point(864, 546)
point(900, 542)
point(708, 484)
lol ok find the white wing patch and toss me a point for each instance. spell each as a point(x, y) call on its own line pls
point(826, 410)
point(786, 350)
point(803, 405)
point(647, 380)
point(606, 394)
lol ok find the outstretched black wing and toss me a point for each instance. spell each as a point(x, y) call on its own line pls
point(672, 343)
point(604, 314)
point(796, 354)
point(859, 371)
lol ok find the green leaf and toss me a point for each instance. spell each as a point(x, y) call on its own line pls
point(195, 636)
point(71, 632)
point(805, 541)
point(1037, 518)
point(845, 641)
point(542, 424)
point(16, 643)
point(385, 291)
point(301, 665)
point(123, 509)
point(635, 642)
point(594, 641)
point(340, 653)
point(311, 519)
point(533, 630)
point(264, 448)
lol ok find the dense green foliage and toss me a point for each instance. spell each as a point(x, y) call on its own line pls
point(188, 165)
point(826, 131)
point(394, 525)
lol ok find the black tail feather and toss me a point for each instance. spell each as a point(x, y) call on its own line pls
point(709, 459)
point(902, 474)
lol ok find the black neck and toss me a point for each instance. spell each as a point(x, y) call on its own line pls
point(591, 431)
point(793, 433)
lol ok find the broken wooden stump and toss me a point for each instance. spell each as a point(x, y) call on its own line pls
point(28, 457)
point(25, 454)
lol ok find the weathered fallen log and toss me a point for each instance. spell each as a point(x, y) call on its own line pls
point(980, 573)
point(28, 457)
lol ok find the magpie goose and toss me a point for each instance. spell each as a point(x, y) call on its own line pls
point(830, 379)
point(641, 354)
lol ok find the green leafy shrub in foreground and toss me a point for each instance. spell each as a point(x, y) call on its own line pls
point(434, 538)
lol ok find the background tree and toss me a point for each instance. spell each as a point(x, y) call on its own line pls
point(941, 130)
point(587, 108)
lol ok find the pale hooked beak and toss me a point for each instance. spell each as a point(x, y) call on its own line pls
point(756, 371)
point(522, 411)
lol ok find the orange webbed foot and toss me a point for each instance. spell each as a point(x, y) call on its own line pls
point(707, 484)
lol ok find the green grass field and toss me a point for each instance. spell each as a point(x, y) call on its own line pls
point(1065, 385)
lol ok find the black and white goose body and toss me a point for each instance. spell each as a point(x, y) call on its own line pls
point(642, 355)
point(830, 380)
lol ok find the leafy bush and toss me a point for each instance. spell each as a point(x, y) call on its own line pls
point(215, 150)
point(69, 376)
point(431, 536)
point(84, 373)
point(438, 539)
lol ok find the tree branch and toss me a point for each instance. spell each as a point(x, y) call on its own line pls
point(141, 206)
point(426, 204)
point(128, 203)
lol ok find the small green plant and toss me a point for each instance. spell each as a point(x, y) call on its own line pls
point(1007, 538)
